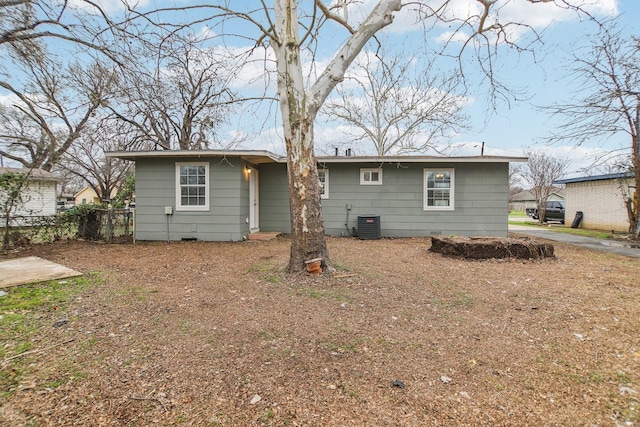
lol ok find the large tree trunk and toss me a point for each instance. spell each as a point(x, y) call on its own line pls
point(298, 114)
point(299, 108)
point(307, 225)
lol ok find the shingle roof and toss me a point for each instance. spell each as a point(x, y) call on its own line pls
point(31, 173)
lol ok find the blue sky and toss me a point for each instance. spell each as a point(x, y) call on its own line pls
point(522, 126)
point(508, 130)
point(515, 127)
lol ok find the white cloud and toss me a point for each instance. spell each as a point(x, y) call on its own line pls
point(267, 139)
point(252, 68)
point(106, 5)
point(536, 15)
point(452, 37)
point(331, 136)
point(8, 100)
point(206, 32)
point(541, 15)
point(582, 161)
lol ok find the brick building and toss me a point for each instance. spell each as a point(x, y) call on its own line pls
point(601, 200)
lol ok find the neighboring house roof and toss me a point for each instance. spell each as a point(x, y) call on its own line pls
point(527, 195)
point(38, 174)
point(261, 156)
point(522, 196)
point(90, 191)
point(595, 178)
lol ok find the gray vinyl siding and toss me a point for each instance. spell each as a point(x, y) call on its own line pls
point(481, 200)
point(274, 198)
point(226, 219)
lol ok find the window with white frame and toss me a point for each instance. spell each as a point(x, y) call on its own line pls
point(371, 176)
point(192, 186)
point(323, 174)
point(438, 189)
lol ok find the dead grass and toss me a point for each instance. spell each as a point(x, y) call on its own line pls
point(216, 334)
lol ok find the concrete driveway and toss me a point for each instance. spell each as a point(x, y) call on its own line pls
point(604, 245)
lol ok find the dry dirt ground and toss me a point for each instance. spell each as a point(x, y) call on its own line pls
point(210, 334)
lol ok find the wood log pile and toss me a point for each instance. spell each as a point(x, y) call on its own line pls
point(489, 247)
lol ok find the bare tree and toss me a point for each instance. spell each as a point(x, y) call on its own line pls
point(291, 32)
point(540, 172)
point(515, 179)
point(398, 105)
point(11, 197)
point(607, 104)
point(177, 97)
point(515, 172)
point(86, 160)
point(51, 110)
point(26, 24)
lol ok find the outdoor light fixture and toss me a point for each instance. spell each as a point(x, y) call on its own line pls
point(248, 169)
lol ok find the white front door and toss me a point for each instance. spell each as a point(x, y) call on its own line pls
point(254, 217)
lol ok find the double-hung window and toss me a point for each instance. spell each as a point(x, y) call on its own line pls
point(438, 189)
point(192, 186)
point(323, 175)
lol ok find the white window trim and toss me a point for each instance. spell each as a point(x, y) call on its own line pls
point(179, 206)
point(451, 190)
point(325, 195)
point(362, 172)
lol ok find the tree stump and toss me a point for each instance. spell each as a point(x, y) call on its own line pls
point(489, 247)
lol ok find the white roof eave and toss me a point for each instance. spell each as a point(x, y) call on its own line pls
point(253, 156)
point(420, 159)
point(261, 156)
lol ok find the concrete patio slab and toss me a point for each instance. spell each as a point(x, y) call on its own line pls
point(33, 269)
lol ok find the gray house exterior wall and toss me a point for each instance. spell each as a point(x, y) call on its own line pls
point(480, 195)
point(226, 219)
point(481, 200)
point(274, 198)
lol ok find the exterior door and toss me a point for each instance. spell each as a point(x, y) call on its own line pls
point(254, 203)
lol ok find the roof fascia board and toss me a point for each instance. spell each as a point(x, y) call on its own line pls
point(133, 155)
point(420, 159)
point(594, 178)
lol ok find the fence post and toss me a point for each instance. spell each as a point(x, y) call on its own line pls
point(109, 225)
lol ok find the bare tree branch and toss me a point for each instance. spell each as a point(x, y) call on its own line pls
point(540, 172)
point(52, 112)
point(606, 103)
point(395, 110)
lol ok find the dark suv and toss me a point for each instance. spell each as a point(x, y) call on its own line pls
point(554, 211)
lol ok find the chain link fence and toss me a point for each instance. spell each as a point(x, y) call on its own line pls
point(89, 223)
point(110, 225)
